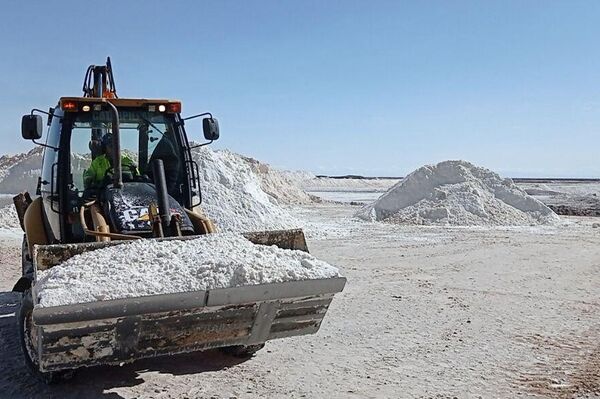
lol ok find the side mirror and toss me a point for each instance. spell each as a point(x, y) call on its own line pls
point(211, 128)
point(31, 127)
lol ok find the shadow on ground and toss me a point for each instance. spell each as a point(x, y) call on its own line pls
point(16, 382)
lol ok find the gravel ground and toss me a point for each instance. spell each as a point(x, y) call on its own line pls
point(427, 312)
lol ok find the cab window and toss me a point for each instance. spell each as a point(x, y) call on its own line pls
point(145, 136)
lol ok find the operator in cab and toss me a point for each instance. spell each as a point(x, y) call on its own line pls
point(101, 168)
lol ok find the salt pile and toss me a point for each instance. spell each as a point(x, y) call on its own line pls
point(144, 267)
point(9, 218)
point(232, 194)
point(239, 193)
point(457, 193)
point(20, 172)
point(283, 187)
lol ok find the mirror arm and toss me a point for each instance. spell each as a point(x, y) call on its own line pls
point(201, 145)
point(197, 116)
point(44, 112)
point(49, 114)
point(45, 145)
point(194, 117)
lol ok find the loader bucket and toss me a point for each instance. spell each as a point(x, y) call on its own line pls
point(123, 330)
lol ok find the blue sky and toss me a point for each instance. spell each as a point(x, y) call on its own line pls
point(336, 87)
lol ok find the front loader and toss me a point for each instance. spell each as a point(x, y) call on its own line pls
point(151, 190)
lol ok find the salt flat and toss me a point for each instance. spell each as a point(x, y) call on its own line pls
point(427, 312)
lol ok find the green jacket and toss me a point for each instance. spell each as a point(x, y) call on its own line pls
point(100, 166)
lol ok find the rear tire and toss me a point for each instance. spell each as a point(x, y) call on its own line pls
point(242, 351)
point(24, 324)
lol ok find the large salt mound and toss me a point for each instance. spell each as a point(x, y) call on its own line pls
point(233, 197)
point(457, 193)
point(239, 193)
point(283, 187)
point(20, 172)
point(143, 267)
point(9, 218)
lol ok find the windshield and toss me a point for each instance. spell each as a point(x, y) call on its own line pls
point(145, 136)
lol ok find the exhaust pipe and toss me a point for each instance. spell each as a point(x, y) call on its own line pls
point(117, 167)
point(160, 183)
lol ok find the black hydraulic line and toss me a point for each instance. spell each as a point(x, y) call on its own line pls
point(111, 78)
point(98, 80)
point(160, 183)
point(87, 91)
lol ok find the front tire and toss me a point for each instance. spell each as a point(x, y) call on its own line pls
point(25, 325)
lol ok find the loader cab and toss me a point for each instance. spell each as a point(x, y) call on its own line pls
point(149, 130)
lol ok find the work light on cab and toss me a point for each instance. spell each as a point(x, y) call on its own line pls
point(69, 106)
point(175, 108)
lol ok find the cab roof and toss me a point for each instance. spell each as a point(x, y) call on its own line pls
point(75, 103)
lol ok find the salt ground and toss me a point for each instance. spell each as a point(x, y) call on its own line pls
point(457, 193)
point(145, 267)
point(428, 311)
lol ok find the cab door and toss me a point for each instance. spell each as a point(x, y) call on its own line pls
point(49, 183)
